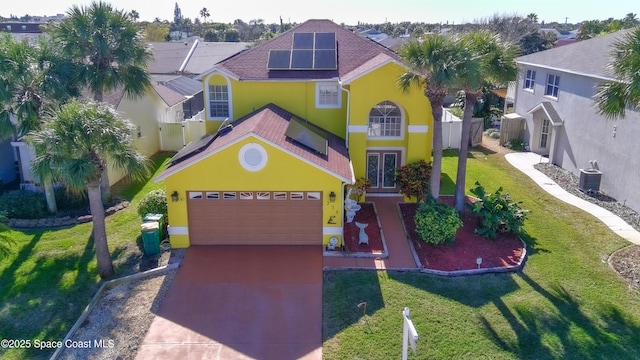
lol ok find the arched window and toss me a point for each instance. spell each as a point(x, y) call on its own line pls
point(385, 120)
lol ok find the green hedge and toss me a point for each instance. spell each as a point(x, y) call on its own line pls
point(23, 204)
point(437, 223)
point(155, 202)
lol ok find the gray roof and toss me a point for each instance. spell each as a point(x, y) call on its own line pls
point(180, 84)
point(587, 57)
point(190, 58)
point(207, 54)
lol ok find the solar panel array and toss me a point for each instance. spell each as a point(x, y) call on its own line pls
point(309, 51)
point(308, 135)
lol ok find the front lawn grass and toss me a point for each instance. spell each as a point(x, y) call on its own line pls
point(51, 275)
point(566, 303)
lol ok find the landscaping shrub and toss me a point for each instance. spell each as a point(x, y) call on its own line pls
point(492, 133)
point(360, 188)
point(23, 204)
point(155, 202)
point(413, 179)
point(516, 145)
point(67, 200)
point(437, 223)
point(498, 213)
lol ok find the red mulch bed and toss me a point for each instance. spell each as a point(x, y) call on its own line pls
point(504, 251)
point(366, 215)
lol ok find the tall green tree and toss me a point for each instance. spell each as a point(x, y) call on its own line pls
point(614, 98)
point(487, 60)
point(433, 63)
point(204, 14)
point(33, 77)
point(109, 52)
point(74, 145)
point(177, 17)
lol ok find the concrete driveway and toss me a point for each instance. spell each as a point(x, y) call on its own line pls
point(241, 302)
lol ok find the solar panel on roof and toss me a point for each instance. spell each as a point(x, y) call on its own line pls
point(308, 135)
point(309, 51)
point(303, 41)
point(325, 41)
point(279, 59)
point(192, 148)
point(325, 60)
point(302, 59)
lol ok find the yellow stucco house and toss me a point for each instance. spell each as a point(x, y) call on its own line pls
point(293, 121)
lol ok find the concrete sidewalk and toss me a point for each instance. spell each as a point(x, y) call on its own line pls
point(525, 162)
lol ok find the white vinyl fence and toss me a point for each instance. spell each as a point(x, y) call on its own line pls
point(451, 130)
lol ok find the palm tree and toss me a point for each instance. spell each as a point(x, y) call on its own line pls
point(204, 13)
point(486, 60)
point(433, 63)
point(33, 77)
point(613, 98)
point(109, 50)
point(74, 145)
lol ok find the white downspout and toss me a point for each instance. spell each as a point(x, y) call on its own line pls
point(346, 138)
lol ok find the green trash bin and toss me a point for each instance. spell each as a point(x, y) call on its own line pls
point(161, 222)
point(151, 237)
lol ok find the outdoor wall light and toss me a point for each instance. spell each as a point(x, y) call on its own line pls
point(174, 196)
point(332, 197)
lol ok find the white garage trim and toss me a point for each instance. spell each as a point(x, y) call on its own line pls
point(178, 230)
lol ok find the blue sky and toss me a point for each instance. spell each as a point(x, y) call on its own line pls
point(347, 11)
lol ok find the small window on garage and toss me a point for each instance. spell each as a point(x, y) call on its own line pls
point(213, 195)
point(229, 195)
point(313, 195)
point(195, 194)
point(296, 195)
point(263, 195)
point(280, 195)
point(246, 195)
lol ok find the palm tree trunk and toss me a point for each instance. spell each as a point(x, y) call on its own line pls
point(461, 175)
point(50, 196)
point(105, 267)
point(105, 189)
point(436, 169)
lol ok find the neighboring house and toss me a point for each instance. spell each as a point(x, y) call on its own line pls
point(554, 94)
point(8, 171)
point(191, 58)
point(170, 114)
point(22, 30)
point(304, 115)
point(395, 43)
point(374, 35)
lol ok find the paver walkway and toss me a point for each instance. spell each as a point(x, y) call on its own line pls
point(400, 255)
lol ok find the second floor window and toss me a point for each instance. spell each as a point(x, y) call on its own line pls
point(218, 101)
point(530, 79)
point(328, 95)
point(553, 84)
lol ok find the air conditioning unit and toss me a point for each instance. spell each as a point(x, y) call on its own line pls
point(590, 180)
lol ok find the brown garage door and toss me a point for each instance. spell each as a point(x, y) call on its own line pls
point(255, 218)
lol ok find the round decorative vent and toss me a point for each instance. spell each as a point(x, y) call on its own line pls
point(252, 157)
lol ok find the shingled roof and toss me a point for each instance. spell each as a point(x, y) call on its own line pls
point(353, 51)
point(587, 57)
point(270, 124)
